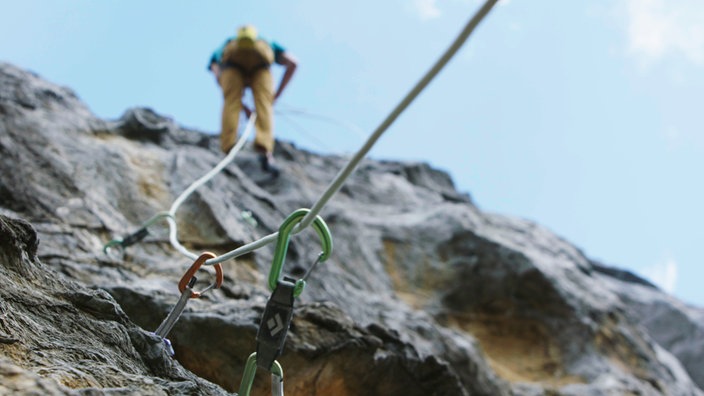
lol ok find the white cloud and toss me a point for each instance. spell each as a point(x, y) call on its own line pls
point(664, 275)
point(427, 9)
point(657, 28)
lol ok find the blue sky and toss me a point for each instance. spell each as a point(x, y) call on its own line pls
point(584, 116)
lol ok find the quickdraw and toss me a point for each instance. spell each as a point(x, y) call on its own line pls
point(185, 286)
point(277, 316)
point(136, 236)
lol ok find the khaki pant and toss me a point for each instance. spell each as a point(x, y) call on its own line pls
point(233, 82)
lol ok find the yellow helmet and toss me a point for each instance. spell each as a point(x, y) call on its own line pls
point(247, 32)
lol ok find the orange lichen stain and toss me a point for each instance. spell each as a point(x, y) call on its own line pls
point(518, 350)
point(72, 377)
point(77, 383)
point(416, 286)
point(149, 177)
point(14, 352)
point(391, 267)
point(150, 188)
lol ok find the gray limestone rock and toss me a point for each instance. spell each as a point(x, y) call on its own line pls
point(424, 293)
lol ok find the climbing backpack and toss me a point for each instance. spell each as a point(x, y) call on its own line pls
point(247, 52)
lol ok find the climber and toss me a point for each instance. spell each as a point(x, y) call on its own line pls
point(244, 61)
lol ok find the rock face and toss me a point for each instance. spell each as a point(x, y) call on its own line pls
point(424, 293)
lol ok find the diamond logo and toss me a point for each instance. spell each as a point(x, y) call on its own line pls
point(275, 325)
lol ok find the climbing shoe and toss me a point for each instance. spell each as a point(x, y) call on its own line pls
point(267, 163)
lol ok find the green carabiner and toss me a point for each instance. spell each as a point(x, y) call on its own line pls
point(282, 246)
point(250, 368)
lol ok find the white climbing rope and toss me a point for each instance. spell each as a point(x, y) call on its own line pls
point(173, 229)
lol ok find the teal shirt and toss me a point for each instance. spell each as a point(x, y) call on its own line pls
point(216, 57)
